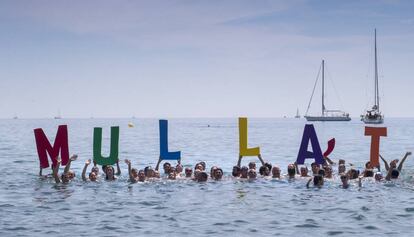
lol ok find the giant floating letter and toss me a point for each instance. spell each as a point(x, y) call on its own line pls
point(375, 133)
point(310, 134)
point(164, 153)
point(243, 150)
point(44, 147)
point(97, 147)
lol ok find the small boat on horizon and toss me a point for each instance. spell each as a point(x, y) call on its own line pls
point(59, 116)
point(374, 115)
point(297, 114)
point(326, 114)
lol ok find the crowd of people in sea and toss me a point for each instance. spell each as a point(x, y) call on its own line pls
point(316, 177)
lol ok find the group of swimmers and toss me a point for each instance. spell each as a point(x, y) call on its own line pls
point(266, 170)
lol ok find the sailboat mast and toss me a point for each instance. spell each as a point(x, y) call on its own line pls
point(323, 87)
point(376, 74)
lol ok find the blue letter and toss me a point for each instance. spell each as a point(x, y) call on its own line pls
point(310, 134)
point(164, 153)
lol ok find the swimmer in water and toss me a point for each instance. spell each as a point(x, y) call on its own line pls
point(244, 172)
point(276, 172)
point(378, 176)
point(341, 169)
point(251, 174)
point(201, 176)
point(218, 174)
point(134, 174)
point(236, 171)
point(345, 181)
point(264, 171)
point(393, 171)
point(212, 170)
point(188, 172)
point(315, 168)
point(110, 173)
point(179, 169)
point(167, 167)
point(252, 165)
point(291, 171)
point(92, 175)
point(317, 181)
point(67, 175)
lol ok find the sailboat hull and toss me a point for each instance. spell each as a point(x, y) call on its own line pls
point(366, 120)
point(328, 118)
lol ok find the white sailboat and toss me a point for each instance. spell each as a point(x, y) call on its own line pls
point(326, 115)
point(297, 114)
point(374, 115)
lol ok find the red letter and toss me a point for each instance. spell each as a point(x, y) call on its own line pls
point(61, 145)
point(375, 133)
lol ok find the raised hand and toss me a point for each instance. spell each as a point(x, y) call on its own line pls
point(128, 162)
point(58, 159)
point(88, 162)
point(74, 157)
point(409, 153)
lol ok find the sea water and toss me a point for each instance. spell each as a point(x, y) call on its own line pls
point(30, 206)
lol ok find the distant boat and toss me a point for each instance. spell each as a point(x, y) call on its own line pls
point(297, 114)
point(373, 115)
point(59, 116)
point(326, 115)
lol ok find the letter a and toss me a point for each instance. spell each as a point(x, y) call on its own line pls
point(310, 134)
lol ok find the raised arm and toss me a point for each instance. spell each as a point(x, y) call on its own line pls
point(360, 181)
point(118, 169)
point(296, 167)
point(387, 167)
point(327, 159)
point(388, 177)
point(260, 158)
point(158, 164)
point(56, 171)
point(84, 170)
point(308, 183)
point(67, 167)
point(239, 161)
point(40, 171)
point(128, 162)
point(403, 160)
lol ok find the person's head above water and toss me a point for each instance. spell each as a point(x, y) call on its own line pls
point(315, 168)
point(236, 171)
point(178, 168)
point(264, 170)
point(341, 168)
point(93, 176)
point(291, 170)
point(268, 165)
point(188, 172)
point(276, 172)
point(378, 176)
point(141, 176)
point(304, 171)
point(318, 181)
point(110, 172)
point(243, 172)
point(252, 165)
point(167, 167)
point(201, 176)
point(252, 174)
point(369, 173)
point(218, 174)
point(341, 162)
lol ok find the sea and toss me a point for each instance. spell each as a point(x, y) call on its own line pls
point(32, 206)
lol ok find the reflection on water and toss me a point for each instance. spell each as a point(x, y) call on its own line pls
point(30, 206)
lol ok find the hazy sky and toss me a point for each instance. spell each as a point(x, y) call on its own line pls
point(201, 58)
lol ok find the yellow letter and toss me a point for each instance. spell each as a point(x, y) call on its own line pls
point(244, 151)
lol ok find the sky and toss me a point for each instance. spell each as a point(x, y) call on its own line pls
point(202, 58)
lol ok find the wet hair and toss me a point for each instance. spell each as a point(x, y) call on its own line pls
point(369, 173)
point(317, 180)
point(202, 176)
point(146, 169)
point(341, 162)
point(368, 165)
point(212, 170)
point(106, 171)
point(203, 163)
point(291, 170)
point(268, 165)
point(262, 170)
point(353, 173)
point(395, 173)
point(321, 172)
point(236, 171)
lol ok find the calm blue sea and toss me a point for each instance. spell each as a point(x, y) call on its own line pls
point(265, 207)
